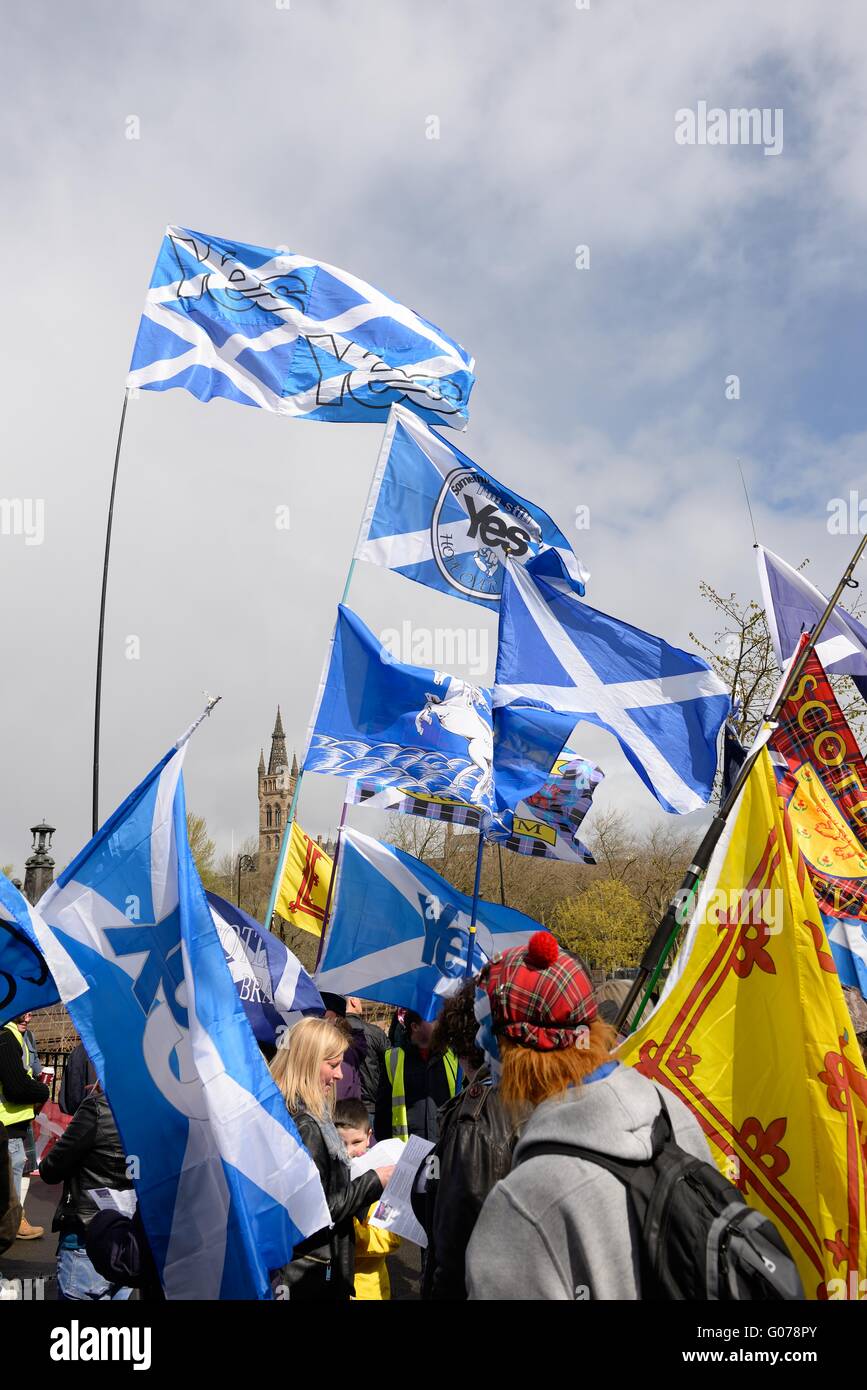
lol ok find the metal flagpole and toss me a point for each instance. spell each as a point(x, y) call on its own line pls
point(680, 908)
point(99, 645)
point(502, 886)
point(475, 908)
point(290, 819)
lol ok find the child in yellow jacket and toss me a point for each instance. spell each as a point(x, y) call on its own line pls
point(371, 1247)
point(372, 1244)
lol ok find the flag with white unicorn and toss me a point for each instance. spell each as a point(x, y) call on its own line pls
point(224, 1185)
point(560, 661)
point(399, 932)
point(381, 720)
point(438, 518)
point(284, 332)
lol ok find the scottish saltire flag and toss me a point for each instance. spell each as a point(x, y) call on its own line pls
point(272, 984)
point(224, 1185)
point(286, 333)
point(399, 933)
point(25, 981)
point(793, 606)
point(544, 827)
point(560, 661)
point(438, 518)
point(376, 718)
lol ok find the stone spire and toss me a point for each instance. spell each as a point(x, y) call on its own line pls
point(278, 757)
point(261, 763)
point(294, 765)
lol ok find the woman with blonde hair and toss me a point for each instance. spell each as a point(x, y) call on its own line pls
point(560, 1226)
point(306, 1068)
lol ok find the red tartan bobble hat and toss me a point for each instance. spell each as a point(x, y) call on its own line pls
point(540, 997)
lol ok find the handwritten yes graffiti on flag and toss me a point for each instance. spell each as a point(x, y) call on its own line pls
point(283, 332)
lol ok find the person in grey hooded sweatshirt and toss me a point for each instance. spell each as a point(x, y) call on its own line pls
point(559, 1226)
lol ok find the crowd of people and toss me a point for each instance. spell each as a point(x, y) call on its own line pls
point(531, 1191)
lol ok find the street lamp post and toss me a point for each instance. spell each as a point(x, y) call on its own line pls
point(248, 864)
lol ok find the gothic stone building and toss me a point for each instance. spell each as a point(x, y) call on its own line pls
point(276, 787)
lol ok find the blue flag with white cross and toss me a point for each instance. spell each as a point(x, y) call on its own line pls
point(225, 1187)
point(435, 516)
point(284, 332)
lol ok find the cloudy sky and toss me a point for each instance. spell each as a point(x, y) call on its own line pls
point(305, 124)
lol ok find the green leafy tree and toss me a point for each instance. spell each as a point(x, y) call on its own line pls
point(606, 925)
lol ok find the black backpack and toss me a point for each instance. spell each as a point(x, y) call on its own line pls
point(699, 1239)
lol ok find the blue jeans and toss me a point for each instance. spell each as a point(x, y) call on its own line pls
point(78, 1281)
point(18, 1159)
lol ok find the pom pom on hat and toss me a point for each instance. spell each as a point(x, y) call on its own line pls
point(541, 951)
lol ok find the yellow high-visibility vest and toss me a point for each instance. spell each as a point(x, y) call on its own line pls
point(394, 1063)
point(15, 1114)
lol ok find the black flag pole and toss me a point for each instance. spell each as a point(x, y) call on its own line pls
point(680, 908)
point(98, 701)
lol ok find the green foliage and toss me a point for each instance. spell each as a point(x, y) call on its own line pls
point(606, 925)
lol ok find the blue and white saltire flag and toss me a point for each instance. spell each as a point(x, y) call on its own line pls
point(25, 981)
point(438, 518)
point(378, 719)
point(560, 661)
point(793, 606)
point(224, 1185)
point(286, 333)
point(272, 984)
point(399, 933)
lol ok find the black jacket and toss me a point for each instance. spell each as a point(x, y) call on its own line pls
point(346, 1198)
point(474, 1150)
point(79, 1074)
point(88, 1154)
point(427, 1088)
point(373, 1063)
point(16, 1083)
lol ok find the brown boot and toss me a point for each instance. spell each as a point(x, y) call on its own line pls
point(28, 1232)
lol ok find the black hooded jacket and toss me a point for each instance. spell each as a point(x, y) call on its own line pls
point(323, 1266)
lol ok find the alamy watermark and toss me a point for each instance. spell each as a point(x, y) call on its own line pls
point(23, 516)
point(442, 648)
point(738, 126)
point(847, 516)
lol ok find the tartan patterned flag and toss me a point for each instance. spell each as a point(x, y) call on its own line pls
point(826, 789)
point(303, 889)
point(753, 1034)
point(545, 826)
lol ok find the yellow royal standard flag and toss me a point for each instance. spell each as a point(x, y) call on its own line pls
point(303, 889)
point(753, 1034)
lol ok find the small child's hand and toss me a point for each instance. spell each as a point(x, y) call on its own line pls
point(384, 1174)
